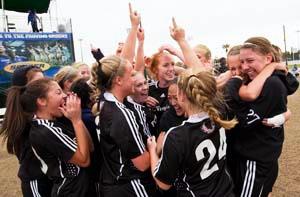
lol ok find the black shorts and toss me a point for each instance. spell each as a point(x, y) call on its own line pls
point(131, 189)
point(271, 179)
point(253, 178)
point(94, 189)
point(37, 187)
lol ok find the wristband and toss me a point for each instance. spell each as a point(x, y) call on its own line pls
point(277, 120)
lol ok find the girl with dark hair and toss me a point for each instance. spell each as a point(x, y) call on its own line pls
point(16, 132)
point(60, 152)
point(84, 92)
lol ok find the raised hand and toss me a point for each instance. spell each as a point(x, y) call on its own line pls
point(176, 32)
point(93, 48)
point(151, 102)
point(135, 18)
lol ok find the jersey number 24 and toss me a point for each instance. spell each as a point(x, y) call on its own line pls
point(209, 145)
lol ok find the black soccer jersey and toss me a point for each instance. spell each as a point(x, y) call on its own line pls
point(34, 181)
point(170, 119)
point(254, 140)
point(289, 80)
point(196, 151)
point(140, 115)
point(160, 94)
point(29, 164)
point(120, 141)
point(54, 145)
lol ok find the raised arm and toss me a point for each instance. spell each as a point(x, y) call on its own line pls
point(128, 51)
point(178, 34)
point(140, 62)
point(97, 53)
point(172, 50)
point(251, 91)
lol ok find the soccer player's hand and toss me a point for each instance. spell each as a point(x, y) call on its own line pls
point(134, 17)
point(72, 108)
point(176, 32)
point(151, 144)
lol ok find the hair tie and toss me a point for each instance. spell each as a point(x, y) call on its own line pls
point(104, 80)
point(192, 76)
point(249, 43)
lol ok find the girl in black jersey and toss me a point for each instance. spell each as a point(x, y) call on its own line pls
point(236, 94)
point(33, 181)
point(196, 149)
point(84, 92)
point(136, 102)
point(257, 145)
point(60, 152)
point(257, 168)
point(175, 115)
point(125, 158)
point(162, 65)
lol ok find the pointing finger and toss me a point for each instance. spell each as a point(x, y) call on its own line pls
point(130, 8)
point(174, 22)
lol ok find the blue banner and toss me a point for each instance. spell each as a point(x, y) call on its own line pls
point(49, 51)
point(35, 36)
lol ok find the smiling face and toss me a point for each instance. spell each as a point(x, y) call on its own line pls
point(172, 97)
point(253, 62)
point(234, 65)
point(141, 88)
point(165, 69)
point(54, 100)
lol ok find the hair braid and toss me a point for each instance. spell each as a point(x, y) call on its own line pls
point(201, 90)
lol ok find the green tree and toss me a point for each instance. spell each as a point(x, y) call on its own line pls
point(226, 47)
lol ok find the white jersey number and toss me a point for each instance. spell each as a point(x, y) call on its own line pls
point(208, 144)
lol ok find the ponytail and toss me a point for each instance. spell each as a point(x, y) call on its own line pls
point(15, 120)
point(20, 107)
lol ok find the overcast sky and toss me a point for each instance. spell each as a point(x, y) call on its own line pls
point(213, 22)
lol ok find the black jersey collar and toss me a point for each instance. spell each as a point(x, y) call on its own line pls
point(130, 100)
point(110, 97)
point(197, 117)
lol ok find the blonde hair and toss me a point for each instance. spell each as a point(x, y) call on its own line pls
point(235, 50)
point(78, 64)
point(201, 90)
point(108, 68)
point(103, 73)
point(205, 49)
point(94, 82)
point(64, 74)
